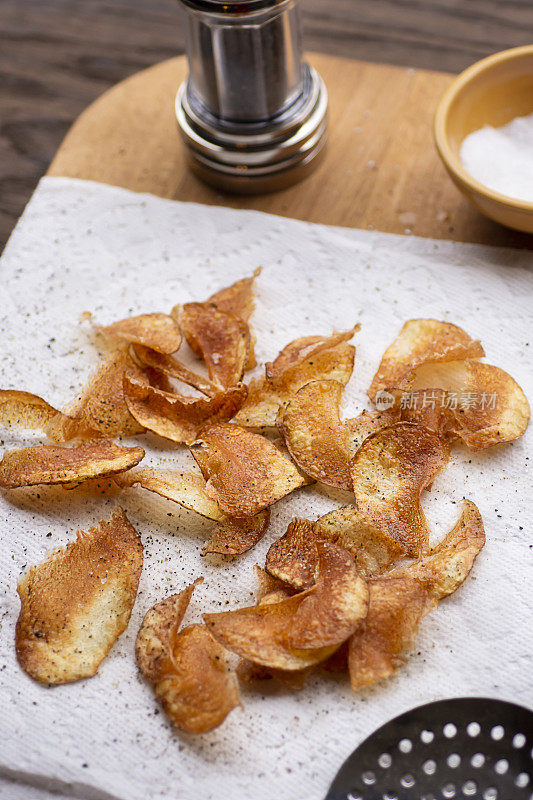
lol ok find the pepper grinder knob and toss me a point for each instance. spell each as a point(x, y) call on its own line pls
point(252, 113)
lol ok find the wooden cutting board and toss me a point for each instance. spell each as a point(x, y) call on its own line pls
point(381, 169)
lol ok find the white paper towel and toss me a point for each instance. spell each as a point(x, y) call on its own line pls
point(83, 246)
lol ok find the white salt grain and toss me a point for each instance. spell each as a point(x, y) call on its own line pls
point(502, 158)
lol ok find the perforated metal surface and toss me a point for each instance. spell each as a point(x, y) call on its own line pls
point(462, 748)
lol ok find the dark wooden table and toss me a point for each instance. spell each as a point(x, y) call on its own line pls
point(56, 56)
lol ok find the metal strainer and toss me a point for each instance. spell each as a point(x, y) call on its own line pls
point(473, 748)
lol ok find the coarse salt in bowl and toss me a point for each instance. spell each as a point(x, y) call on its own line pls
point(493, 92)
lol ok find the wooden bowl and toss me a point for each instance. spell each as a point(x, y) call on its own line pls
point(493, 91)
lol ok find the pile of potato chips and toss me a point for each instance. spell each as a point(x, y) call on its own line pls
point(342, 593)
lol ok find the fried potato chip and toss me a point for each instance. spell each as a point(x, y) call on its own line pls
point(29, 466)
point(389, 471)
point(24, 410)
point(449, 563)
point(314, 434)
point(328, 612)
point(486, 423)
point(301, 350)
point(336, 607)
point(157, 634)
point(236, 536)
point(293, 558)
point(429, 408)
point(220, 338)
point(189, 670)
point(374, 550)
point(367, 423)
point(288, 375)
point(421, 341)
point(77, 603)
point(172, 368)
point(160, 332)
point(237, 299)
point(476, 402)
point(184, 488)
point(259, 634)
point(245, 472)
point(267, 584)
point(378, 648)
point(175, 416)
point(101, 405)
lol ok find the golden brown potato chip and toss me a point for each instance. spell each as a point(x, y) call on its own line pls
point(293, 558)
point(477, 402)
point(30, 466)
point(301, 350)
point(221, 339)
point(160, 332)
point(235, 536)
point(184, 488)
point(429, 408)
point(245, 472)
point(389, 471)
point(315, 436)
point(237, 299)
point(449, 563)
point(422, 341)
point(336, 606)
point(374, 550)
point(157, 634)
point(378, 648)
point(328, 612)
point(76, 603)
point(101, 405)
point(367, 423)
point(24, 410)
point(259, 634)
point(329, 359)
point(172, 368)
point(500, 411)
point(175, 416)
point(267, 584)
point(188, 668)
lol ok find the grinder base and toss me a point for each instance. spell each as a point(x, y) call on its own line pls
point(260, 157)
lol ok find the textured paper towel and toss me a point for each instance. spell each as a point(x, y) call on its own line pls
point(82, 246)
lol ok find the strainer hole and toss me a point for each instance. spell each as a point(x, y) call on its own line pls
point(477, 760)
point(497, 733)
point(428, 797)
point(385, 760)
point(501, 766)
point(407, 781)
point(405, 745)
point(473, 729)
point(522, 780)
point(369, 777)
point(519, 740)
point(429, 766)
point(449, 730)
point(390, 796)
point(491, 793)
point(427, 737)
point(454, 759)
point(448, 790)
point(353, 796)
point(469, 788)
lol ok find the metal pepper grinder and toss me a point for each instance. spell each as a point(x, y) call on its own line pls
point(251, 113)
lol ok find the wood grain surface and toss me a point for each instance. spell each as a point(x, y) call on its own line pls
point(56, 56)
